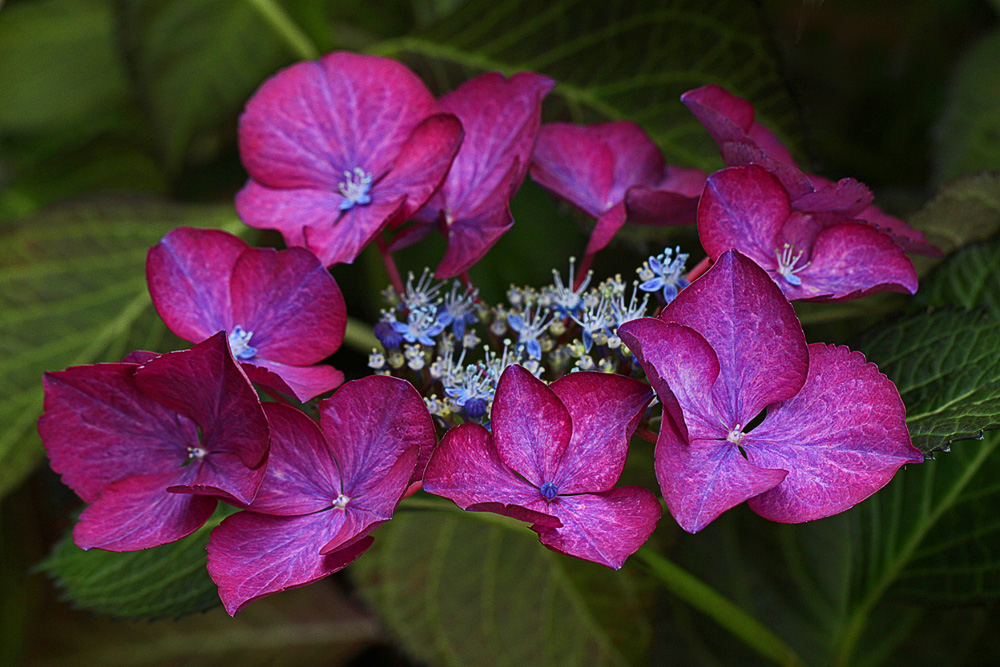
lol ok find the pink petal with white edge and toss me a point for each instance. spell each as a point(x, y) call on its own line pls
point(188, 273)
point(291, 304)
point(702, 479)
point(252, 555)
point(98, 427)
point(604, 409)
point(852, 260)
point(423, 163)
point(743, 208)
point(501, 118)
point(471, 237)
point(604, 528)
point(466, 469)
point(206, 385)
point(753, 330)
point(370, 423)
point(342, 241)
point(302, 476)
point(139, 513)
point(313, 121)
point(531, 426)
point(842, 438)
point(682, 359)
point(303, 382)
point(288, 211)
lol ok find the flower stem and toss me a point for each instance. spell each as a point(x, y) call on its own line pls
point(294, 37)
point(699, 269)
point(730, 616)
point(390, 264)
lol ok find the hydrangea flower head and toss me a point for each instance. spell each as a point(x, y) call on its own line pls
point(614, 172)
point(553, 457)
point(151, 445)
point(809, 257)
point(729, 347)
point(328, 486)
point(282, 310)
point(339, 148)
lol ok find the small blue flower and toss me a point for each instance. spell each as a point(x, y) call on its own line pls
point(421, 326)
point(565, 300)
point(529, 328)
point(239, 343)
point(458, 309)
point(355, 188)
point(662, 273)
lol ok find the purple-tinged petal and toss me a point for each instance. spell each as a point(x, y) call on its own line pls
point(537, 518)
point(311, 122)
point(852, 260)
point(743, 208)
point(739, 154)
point(605, 528)
point(302, 476)
point(206, 385)
point(98, 427)
point(908, 238)
point(660, 207)
point(466, 469)
point(139, 357)
point(501, 118)
point(415, 232)
point(841, 438)
point(252, 555)
point(847, 196)
point(753, 330)
point(423, 163)
point(604, 409)
point(471, 237)
point(531, 426)
point(607, 226)
point(188, 273)
point(575, 163)
point(288, 211)
point(702, 479)
point(681, 359)
point(139, 513)
point(303, 382)
point(342, 241)
point(372, 504)
point(370, 423)
point(291, 304)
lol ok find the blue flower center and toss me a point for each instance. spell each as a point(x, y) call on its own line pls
point(355, 188)
point(549, 490)
point(341, 501)
point(787, 262)
point(239, 343)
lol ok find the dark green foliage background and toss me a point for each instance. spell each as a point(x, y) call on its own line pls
point(118, 123)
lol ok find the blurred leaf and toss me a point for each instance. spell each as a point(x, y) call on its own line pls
point(968, 278)
point(965, 210)
point(195, 63)
point(164, 582)
point(73, 291)
point(462, 590)
point(612, 60)
point(968, 135)
point(316, 625)
point(57, 64)
point(947, 370)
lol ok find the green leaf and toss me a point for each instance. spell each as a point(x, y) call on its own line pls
point(965, 211)
point(57, 64)
point(968, 136)
point(617, 59)
point(73, 291)
point(947, 370)
point(968, 278)
point(163, 582)
point(468, 588)
point(195, 63)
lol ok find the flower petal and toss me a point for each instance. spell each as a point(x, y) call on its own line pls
point(607, 226)
point(531, 426)
point(139, 513)
point(288, 211)
point(752, 329)
point(343, 240)
point(847, 196)
point(604, 409)
point(99, 427)
point(252, 555)
point(605, 528)
point(312, 121)
point(466, 469)
point(290, 302)
point(303, 382)
point(188, 273)
point(841, 438)
point(370, 423)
